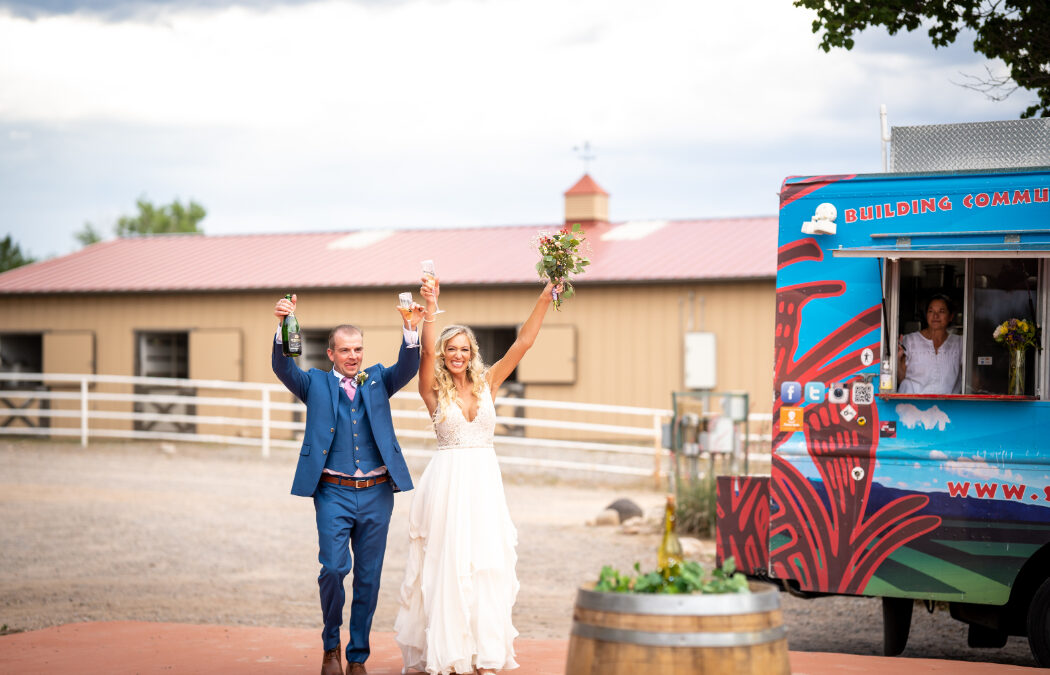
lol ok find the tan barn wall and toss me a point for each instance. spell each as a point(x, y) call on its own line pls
point(628, 338)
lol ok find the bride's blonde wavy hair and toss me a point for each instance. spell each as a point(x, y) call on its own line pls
point(443, 383)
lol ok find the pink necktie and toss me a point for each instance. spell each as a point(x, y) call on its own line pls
point(348, 387)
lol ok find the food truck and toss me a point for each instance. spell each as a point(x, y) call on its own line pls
point(942, 497)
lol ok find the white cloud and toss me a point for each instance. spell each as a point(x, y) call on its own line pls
point(977, 468)
point(429, 73)
point(323, 115)
point(910, 416)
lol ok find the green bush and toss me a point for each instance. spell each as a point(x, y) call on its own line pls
point(697, 507)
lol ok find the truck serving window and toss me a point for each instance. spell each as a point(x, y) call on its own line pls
point(942, 316)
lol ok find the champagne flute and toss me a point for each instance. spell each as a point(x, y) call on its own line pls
point(430, 280)
point(404, 305)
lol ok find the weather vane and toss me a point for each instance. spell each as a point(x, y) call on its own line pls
point(584, 153)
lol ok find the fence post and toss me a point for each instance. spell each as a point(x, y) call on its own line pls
point(265, 422)
point(83, 412)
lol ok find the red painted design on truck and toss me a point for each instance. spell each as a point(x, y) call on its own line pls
point(830, 542)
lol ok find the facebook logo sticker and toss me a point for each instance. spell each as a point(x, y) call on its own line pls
point(790, 392)
point(815, 392)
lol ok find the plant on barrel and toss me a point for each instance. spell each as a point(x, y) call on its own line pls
point(686, 577)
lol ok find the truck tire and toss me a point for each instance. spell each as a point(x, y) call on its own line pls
point(896, 624)
point(1039, 625)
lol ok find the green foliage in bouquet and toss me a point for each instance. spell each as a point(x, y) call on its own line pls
point(688, 577)
point(560, 257)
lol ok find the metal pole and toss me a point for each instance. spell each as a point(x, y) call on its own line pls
point(83, 412)
point(885, 129)
point(657, 450)
point(265, 423)
point(747, 433)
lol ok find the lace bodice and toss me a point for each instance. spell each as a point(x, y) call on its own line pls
point(454, 431)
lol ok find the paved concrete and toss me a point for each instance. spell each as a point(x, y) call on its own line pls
point(126, 647)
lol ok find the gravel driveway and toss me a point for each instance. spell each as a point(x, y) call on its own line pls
point(203, 534)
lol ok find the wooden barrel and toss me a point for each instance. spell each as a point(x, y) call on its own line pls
point(621, 633)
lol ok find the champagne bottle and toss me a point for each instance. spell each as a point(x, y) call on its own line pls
point(291, 340)
point(669, 555)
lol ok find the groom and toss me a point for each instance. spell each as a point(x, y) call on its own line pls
point(351, 464)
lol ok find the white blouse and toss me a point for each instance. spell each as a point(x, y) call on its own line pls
point(929, 371)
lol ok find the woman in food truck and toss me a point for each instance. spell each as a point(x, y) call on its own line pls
point(930, 360)
point(952, 353)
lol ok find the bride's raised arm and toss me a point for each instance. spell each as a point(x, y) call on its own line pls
point(426, 347)
point(502, 369)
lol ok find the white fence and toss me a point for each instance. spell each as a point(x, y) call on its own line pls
point(612, 439)
point(553, 435)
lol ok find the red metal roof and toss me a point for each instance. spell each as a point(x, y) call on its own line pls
point(635, 251)
point(586, 186)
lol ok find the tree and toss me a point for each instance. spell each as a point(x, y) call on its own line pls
point(161, 220)
point(11, 255)
point(1015, 31)
point(88, 235)
point(151, 219)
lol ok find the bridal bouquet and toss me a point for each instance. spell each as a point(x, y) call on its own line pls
point(560, 256)
point(1015, 334)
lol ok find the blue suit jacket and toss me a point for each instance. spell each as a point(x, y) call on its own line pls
point(319, 390)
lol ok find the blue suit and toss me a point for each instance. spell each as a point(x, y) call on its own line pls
point(349, 517)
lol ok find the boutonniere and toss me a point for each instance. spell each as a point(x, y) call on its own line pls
point(360, 378)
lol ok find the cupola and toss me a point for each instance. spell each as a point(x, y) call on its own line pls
point(587, 203)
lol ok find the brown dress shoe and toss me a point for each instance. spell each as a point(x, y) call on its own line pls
point(354, 668)
point(333, 661)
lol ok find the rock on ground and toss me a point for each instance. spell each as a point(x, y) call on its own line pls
point(625, 508)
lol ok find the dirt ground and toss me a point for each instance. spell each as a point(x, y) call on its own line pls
point(211, 535)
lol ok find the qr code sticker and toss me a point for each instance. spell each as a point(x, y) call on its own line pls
point(863, 393)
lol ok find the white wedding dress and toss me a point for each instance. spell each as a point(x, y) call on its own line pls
point(459, 582)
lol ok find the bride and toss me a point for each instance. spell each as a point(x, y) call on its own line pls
point(460, 584)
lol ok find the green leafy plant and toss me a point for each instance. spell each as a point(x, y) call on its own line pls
point(697, 506)
point(687, 577)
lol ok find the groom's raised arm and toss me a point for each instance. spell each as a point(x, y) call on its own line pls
point(284, 367)
point(401, 373)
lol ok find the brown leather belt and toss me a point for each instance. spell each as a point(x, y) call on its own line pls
point(350, 482)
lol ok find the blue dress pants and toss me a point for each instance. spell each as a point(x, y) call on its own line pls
point(348, 519)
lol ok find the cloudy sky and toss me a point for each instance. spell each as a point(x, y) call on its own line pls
point(284, 116)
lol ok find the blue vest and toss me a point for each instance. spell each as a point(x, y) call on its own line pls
point(353, 447)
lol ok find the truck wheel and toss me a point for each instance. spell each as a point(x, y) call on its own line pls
point(1039, 625)
point(896, 624)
